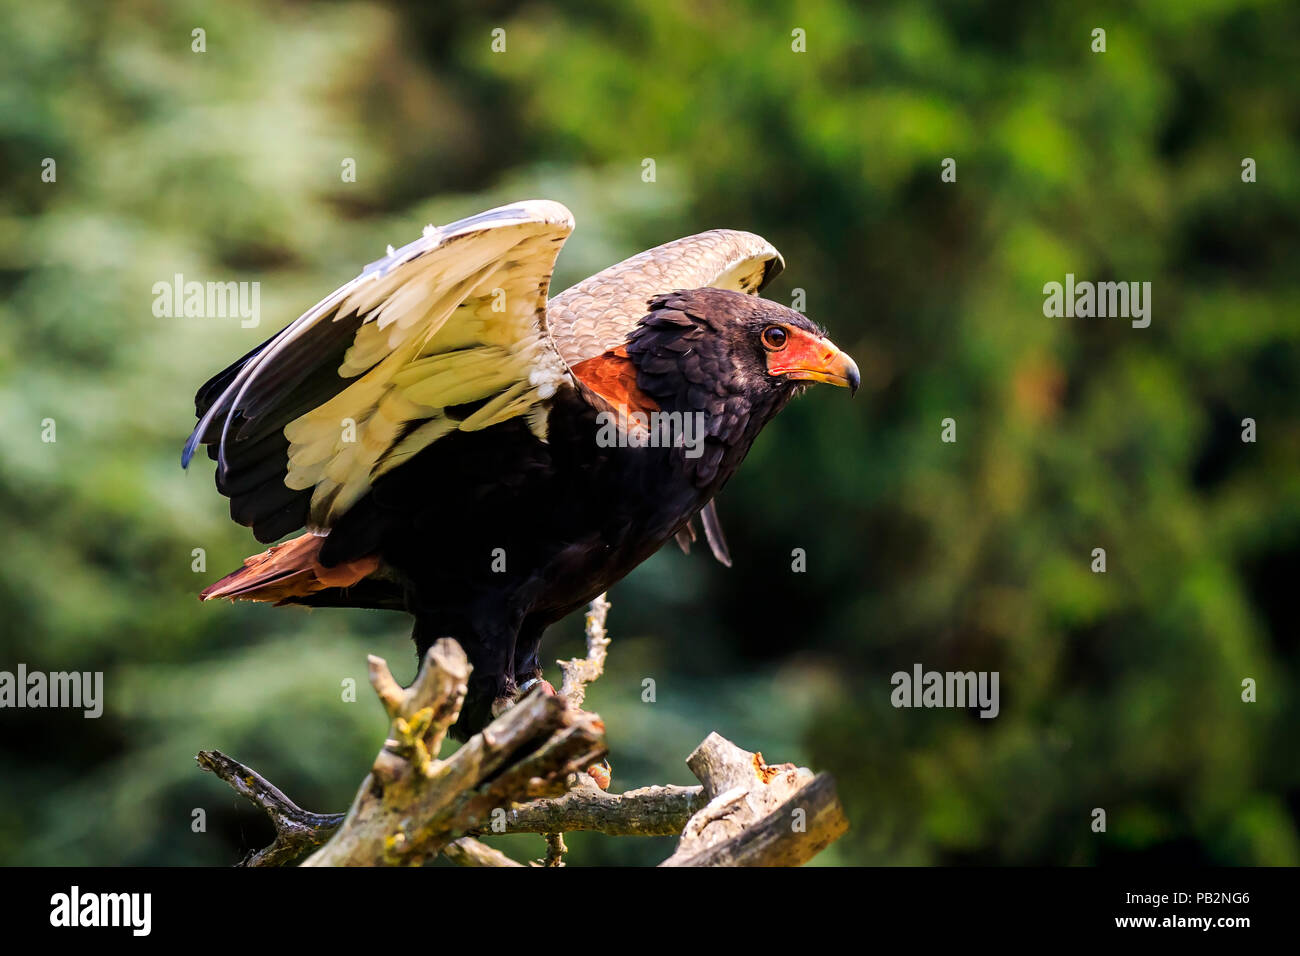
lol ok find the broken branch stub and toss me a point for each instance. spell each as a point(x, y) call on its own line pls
point(758, 814)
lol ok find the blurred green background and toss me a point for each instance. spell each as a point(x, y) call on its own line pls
point(1120, 691)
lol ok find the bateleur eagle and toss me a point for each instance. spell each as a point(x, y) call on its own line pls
point(459, 448)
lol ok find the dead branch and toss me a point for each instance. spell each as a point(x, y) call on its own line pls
point(580, 671)
point(555, 850)
point(412, 805)
point(523, 774)
point(758, 814)
point(649, 811)
point(468, 851)
point(296, 830)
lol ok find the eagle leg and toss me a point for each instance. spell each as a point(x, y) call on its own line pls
point(601, 773)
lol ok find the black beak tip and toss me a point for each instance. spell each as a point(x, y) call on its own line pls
point(854, 378)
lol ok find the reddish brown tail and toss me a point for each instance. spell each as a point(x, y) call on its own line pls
point(286, 571)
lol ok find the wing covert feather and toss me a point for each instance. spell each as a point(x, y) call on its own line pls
point(598, 313)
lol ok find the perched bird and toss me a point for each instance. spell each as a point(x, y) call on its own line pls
point(463, 450)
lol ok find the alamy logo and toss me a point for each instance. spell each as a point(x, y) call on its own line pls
point(624, 429)
point(1124, 300)
point(208, 300)
point(134, 910)
point(57, 689)
point(960, 689)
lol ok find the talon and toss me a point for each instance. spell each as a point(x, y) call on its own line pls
point(602, 773)
point(547, 687)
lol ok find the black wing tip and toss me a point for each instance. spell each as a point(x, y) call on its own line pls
point(713, 534)
point(191, 446)
point(771, 269)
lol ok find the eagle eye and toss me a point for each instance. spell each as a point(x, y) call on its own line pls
point(774, 338)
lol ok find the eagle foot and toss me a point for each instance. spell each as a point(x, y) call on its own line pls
point(600, 773)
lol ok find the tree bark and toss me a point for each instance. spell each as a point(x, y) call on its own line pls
point(758, 814)
point(525, 773)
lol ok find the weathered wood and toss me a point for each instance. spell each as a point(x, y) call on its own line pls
point(758, 814)
point(412, 805)
point(578, 672)
point(296, 830)
point(720, 765)
point(649, 811)
point(555, 850)
point(529, 765)
point(774, 840)
point(470, 852)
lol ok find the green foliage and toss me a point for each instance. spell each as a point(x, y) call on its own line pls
point(1120, 691)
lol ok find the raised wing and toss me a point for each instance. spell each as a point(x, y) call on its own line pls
point(446, 333)
point(598, 313)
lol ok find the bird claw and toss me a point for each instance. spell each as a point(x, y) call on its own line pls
point(502, 704)
point(602, 773)
point(547, 687)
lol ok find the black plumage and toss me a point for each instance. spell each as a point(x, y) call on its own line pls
point(490, 535)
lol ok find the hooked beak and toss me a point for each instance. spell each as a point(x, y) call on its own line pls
point(811, 358)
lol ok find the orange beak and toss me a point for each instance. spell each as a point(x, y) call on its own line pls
point(808, 357)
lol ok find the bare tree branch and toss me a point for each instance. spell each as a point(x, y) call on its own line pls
point(758, 814)
point(296, 830)
point(774, 840)
point(523, 774)
point(555, 850)
point(412, 804)
point(468, 851)
point(650, 811)
point(579, 672)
